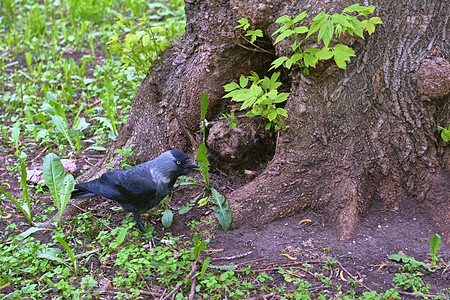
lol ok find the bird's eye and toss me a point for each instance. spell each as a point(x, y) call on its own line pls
point(178, 162)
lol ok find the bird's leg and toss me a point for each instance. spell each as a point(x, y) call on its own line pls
point(140, 225)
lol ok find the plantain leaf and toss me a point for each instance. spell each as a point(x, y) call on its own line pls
point(61, 126)
point(203, 162)
point(221, 209)
point(60, 185)
point(167, 218)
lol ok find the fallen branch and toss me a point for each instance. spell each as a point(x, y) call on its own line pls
point(353, 277)
point(416, 294)
point(233, 257)
point(188, 276)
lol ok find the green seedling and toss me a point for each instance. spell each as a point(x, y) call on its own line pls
point(445, 133)
point(60, 184)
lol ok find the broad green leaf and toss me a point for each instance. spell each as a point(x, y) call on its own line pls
point(281, 98)
point(405, 259)
point(272, 115)
point(375, 20)
point(62, 127)
point(66, 190)
point(318, 22)
point(342, 53)
point(238, 95)
point(299, 17)
point(221, 209)
point(203, 201)
point(120, 238)
point(231, 87)
point(326, 32)
point(301, 29)
point(146, 40)
point(284, 35)
point(282, 112)
point(53, 172)
point(278, 62)
point(310, 60)
point(243, 81)
point(339, 19)
point(254, 34)
point(435, 245)
point(205, 266)
point(355, 7)
point(203, 162)
point(248, 102)
point(51, 253)
point(284, 19)
point(167, 218)
point(281, 29)
point(274, 77)
point(370, 24)
point(184, 209)
point(204, 106)
point(243, 23)
point(30, 231)
point(324, 53)
point(198, 246)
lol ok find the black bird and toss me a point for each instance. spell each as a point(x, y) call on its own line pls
point(141, 187)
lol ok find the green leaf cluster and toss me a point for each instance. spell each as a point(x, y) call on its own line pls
point(60, 184)
point(145, 42)
point(327, 27)
point(261, 97)
point(445, 133)
point(253, 34)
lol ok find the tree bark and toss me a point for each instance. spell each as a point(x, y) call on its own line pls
point(355, 138)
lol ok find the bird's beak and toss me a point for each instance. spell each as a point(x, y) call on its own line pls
point(191, 165)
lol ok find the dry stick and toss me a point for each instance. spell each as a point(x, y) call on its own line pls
point(193, 283)
point(415, 294)
point(189, 276)
point(256, 46)
point(353, 277)
point(233, 257)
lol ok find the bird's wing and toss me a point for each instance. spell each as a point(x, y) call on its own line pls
point(139, 193)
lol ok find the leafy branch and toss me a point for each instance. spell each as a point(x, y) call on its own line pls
point(328, 26)
point(261, 97)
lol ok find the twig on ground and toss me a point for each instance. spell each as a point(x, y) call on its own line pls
point(233, 257)
point(354, 278)
point(415, 294)
point(188, 276)
point(193, 284)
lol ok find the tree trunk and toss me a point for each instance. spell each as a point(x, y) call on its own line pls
point(355, 138)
